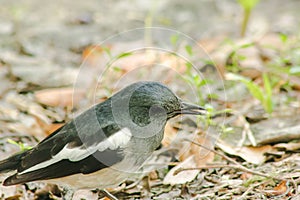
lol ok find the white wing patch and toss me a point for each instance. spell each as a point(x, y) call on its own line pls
point(118, 139)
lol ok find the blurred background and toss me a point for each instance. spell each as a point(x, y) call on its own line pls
point(232, 56)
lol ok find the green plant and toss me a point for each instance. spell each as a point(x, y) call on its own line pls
point(21, 145)
point(211, 112)
point(248, 6)
point(264, 95)
point(199, 82)
point(193, 78)
point(174, 42)
point(235, 57)
point(285, 64)
point(254, 179)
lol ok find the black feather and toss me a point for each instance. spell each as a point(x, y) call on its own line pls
point(84, 131)
point(93, 163)
point(11, 163)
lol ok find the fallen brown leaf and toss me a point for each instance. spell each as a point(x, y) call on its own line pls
point(64, 97)
point(201, 156)
point(246, 176)
point(23, 103)
point(291, 146)
point(49, 128)
point(85, 194)
point(169, 135)
point(192, 156)
point(253, 155)
point(281, 189)
point(184, 176)
point(9, 192)
point(93, 50)
point(211, 44)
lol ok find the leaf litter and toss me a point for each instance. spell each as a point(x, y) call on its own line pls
point(257, 158)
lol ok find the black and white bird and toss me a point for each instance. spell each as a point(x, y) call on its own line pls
point(101, 147)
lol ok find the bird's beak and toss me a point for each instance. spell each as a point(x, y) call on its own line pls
point(192, 109)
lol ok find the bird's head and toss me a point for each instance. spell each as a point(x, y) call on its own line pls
point(153, 100)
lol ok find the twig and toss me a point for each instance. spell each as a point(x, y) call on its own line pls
point(246, 131)
point(236, 166)
point(249, 133)
point(244, 195)
point(295, 186)
point(108, 194)
point(241, 168)
point(216, 152)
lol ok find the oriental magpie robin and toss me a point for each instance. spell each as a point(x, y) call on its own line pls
point(101, 147)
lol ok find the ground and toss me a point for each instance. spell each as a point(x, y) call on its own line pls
point(58, 58)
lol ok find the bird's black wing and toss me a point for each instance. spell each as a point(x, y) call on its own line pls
point(88, 143)
point(66, 167)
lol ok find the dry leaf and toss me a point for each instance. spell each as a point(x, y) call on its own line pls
point(26, 124)
point(271, 40)
point(25, 104)
point(7, 113)
point(253, 155)
point(291, 146)
point(211, 44)
point(49, 128)
point(63, 97)
point(192, 156)
point(93, 50)
point(201, 155)
point(93, 55)
point(169, 135)
point(184, 176)
point(7, 192)
point(246, 176)
point(251, 66)
point(280, 189)
point(85, 194)
point(153, 175)
point(47, 75)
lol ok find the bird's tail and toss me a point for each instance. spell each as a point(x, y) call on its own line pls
point(11, 163)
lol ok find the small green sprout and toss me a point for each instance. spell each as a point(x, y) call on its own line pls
point(248, 6)
point(264, 95)
point(21, 145)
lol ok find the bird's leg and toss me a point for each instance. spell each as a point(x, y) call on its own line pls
point(108, 194)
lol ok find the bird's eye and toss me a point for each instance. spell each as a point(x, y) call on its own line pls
point(157, 110)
